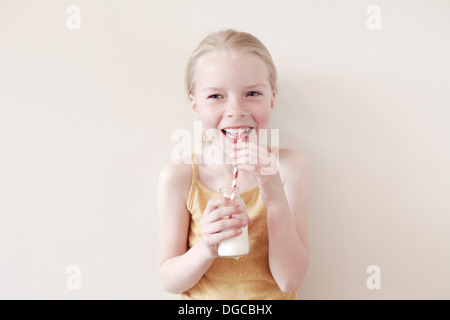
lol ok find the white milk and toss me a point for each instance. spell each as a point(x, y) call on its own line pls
point(237, 246)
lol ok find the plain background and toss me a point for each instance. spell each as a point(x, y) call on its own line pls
point(86, 118)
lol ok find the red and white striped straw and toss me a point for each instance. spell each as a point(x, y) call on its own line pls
point(235, 172)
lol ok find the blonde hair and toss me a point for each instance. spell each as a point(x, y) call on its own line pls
point(229, 41)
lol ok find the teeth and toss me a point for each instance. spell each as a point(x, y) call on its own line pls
point(236, 131)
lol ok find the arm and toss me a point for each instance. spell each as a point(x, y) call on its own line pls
point(287, 224)
point(179, 268)
point(285, 194)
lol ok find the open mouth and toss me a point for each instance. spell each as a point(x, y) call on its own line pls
point(234, 132)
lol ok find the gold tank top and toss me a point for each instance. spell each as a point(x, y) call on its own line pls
point(248, 278)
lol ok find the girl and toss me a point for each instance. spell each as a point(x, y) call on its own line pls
point(231, 83)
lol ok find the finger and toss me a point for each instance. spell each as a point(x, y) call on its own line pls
point(251, 168)
point(215, 203)
point(248, 154)
point(244, 145)
point(223, 212)
point(225, 224)
point(263, 154)
point(224, 235)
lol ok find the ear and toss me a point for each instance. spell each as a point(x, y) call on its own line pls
point(193, 104)
point(272, 100)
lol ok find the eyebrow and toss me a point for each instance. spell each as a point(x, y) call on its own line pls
point(247, 87)
point(256, 85)
point(211, 88)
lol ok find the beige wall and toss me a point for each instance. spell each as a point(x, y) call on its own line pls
point(86, 118)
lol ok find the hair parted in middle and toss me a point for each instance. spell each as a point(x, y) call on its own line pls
point(232, 42)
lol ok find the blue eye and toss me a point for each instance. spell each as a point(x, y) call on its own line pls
point(215, 96)
point(253, 94)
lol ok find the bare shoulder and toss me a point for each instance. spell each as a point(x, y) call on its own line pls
point(292, 164)
point(292, 159)
point(175, 178)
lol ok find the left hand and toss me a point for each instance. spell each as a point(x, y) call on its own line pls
point(263, 165)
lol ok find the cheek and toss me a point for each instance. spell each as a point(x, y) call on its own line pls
point(263, 116)
point(262, 120)
point(209, 119)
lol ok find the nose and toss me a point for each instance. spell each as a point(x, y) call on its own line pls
point(235, 109)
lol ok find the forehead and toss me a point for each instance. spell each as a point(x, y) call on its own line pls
point(223, 69)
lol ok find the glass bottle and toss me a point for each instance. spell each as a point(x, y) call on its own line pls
point(238, 246)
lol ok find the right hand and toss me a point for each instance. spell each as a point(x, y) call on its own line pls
point(215, 229)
